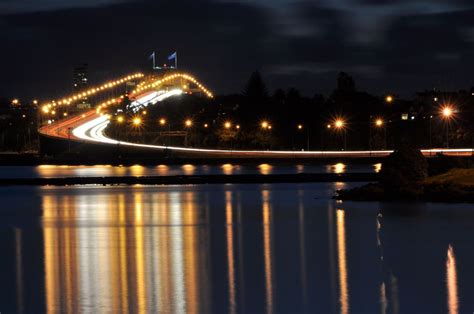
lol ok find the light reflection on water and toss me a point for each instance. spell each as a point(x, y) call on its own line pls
point(452, 281)
point(172, 170)
point(232, 248)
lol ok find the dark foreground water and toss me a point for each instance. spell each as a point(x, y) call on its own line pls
point(230, 248)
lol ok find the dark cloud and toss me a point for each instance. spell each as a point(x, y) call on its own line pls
point(401, 45)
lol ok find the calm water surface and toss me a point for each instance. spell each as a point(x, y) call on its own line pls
point(284, 248)
point(46, 171)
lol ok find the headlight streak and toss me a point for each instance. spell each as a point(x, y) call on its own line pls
point(93, 130)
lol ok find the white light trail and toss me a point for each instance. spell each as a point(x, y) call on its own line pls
point(153, 98)
point(93, 130)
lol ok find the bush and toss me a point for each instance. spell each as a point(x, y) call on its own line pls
point(403, 171)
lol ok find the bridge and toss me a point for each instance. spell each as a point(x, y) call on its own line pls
point(86, 129)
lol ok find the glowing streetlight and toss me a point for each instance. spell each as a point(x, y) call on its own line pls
point(237, 126)
point(120, 119)
point(264, 125)
point(389, 99)
point(227, 125)
point(144, 112)
point(447, 113)
point(137, 121)
point(206, 125)
point(65, 114)
point(339, 123)
point(162, 121)
point(45, 109)
point(300, 126)
point(188, 123)
point(35, 102)
point(379, 122)
point(15, 101)
point(328, 126)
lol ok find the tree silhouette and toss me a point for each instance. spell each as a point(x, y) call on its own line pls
point(345, 83)
point(255, 87)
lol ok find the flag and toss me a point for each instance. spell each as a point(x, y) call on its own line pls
point(151, 56)
point(172, 56)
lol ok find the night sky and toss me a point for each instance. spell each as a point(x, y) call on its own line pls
point(388, 46)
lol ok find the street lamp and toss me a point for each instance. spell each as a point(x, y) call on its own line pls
point(300, 127)
point(227, 125)
point(137, 121)
point(120, 119)
point(340, 125)
point(188, 123)
point(162, 121)
point(264, 125)
point(389, 99)
point(447, 113)
point(379, 123)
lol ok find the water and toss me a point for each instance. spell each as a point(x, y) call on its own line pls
point(230, 248)
point(52, 171)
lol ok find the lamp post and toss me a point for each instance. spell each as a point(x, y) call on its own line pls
point(379, 123)
point(188, 123)
point(447, 114)
point(340, 125)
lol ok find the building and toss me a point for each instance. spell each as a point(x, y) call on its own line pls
point(80, 83)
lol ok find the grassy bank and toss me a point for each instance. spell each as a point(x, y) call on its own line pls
point(454, 186)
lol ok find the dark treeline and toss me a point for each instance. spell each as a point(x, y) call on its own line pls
point(284, 119)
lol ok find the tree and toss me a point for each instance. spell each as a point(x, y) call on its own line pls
point(345, 83)
point(255, 87)
point(279, 96)
point(404, 170)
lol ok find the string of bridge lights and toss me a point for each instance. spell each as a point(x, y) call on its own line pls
point(69, 100)
point(159, 82)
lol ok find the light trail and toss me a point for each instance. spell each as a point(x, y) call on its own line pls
point(91, 128)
